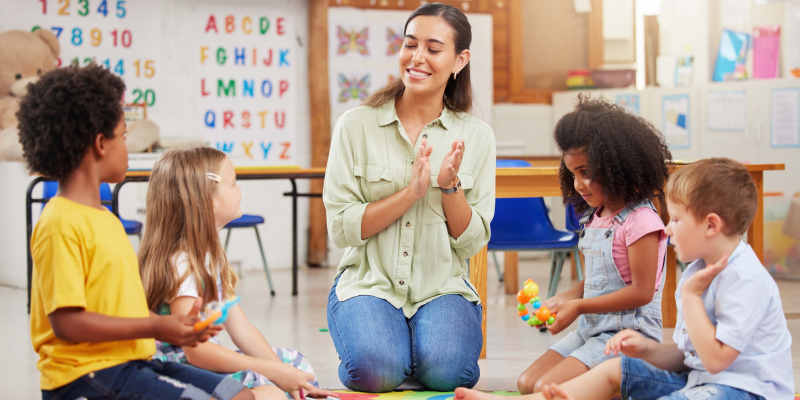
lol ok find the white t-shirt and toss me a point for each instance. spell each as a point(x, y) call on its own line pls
point(189, 285)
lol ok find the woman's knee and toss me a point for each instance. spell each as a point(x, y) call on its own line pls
point(374, 374)
point(444, 376)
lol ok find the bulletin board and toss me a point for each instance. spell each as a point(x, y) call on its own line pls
point(363, 46)
point(122, 35)
point(246, 83)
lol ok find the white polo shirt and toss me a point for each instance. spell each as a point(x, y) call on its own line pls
point(744, 304)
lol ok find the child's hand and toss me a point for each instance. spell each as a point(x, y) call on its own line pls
point(699, 282)
point(628, 342)
point(179, 330)
point(318, 393)
point(567, 312)
point(290, 379)
point(554, 302)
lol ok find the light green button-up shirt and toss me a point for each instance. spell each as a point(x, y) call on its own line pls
point(414, 260)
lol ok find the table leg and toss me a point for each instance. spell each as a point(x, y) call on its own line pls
point(669, 309)
point(477, 275)
point(755, 233)
point(294, 237)
point(511, 271)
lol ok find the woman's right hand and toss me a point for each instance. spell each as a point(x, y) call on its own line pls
point(421, 173)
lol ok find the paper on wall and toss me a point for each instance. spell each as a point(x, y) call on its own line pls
point(785, 118)
point(734, 13)
point(726, 111)
point(675, 120)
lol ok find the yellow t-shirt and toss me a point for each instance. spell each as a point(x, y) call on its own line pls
point(82, 258)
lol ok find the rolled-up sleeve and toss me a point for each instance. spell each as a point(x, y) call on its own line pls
point(341, 193)
point(481, 199)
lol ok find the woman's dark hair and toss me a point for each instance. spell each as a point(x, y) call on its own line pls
point(625, 153)
point(458, 92)
point(62, 114)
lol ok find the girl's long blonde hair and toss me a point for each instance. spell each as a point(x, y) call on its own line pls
point(180, 218)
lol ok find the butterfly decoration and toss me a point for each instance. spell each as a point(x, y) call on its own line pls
point(395, 41)
point(353, 88)
point(352, 41)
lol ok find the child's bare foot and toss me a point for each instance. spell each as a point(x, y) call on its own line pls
point(469, 394)
point(555, 392)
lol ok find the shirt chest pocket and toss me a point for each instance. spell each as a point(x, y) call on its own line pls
point(434, 197)
point(376, 181)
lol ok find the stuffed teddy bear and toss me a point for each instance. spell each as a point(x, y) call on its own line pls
point(24, 57)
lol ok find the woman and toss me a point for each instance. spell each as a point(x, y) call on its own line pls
point(410, 205)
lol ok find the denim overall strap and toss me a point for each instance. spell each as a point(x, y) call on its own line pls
point(602, 277)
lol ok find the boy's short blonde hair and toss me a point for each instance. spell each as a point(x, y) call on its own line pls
point(716, 185)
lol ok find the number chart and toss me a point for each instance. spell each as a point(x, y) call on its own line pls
point(246, 86)
point(121, 35)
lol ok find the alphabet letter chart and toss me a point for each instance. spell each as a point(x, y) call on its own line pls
point(246, 83)
point(121, 35)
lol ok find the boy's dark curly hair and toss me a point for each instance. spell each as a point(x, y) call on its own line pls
point(62, 114)
point(625, 153)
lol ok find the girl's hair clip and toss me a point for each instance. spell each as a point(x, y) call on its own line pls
point(214, 177)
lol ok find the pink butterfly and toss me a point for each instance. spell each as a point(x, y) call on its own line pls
point(352, 41)
point(395, 41)
point(353, 88)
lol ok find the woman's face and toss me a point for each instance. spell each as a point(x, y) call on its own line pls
point(428, 56)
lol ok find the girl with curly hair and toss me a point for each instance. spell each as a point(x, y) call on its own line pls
point(614, 164)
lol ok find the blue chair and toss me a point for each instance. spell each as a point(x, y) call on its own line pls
point(522, 224)
point(131, 227)
point(251, 221)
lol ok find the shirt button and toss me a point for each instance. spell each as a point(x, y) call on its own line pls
point(692, 353)
point(683, 331)
point(402, 283)
point(405, 254)
point(425, 136)
point(408, 224)
point(436, 122)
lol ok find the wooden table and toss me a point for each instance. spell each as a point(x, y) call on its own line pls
point(544, 182)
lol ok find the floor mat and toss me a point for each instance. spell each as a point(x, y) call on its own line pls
point(406, 395)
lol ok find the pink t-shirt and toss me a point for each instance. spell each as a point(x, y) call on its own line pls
point(639, 223)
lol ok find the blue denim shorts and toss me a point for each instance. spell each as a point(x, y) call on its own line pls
point(641, 380)
point(589, 352)
point(148, 379)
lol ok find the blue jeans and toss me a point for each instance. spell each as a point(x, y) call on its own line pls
point(380, 348)
point(641, 380)
point(142, 379)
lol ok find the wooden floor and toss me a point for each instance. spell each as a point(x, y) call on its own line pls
point(295, 322)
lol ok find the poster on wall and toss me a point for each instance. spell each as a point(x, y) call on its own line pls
point(675, 120)
point(363, 47)
point(785, 118)
point(630, 102)
point(246, 83)
point(123, 36)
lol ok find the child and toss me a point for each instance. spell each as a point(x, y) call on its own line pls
point(89, 318)
point(614, 164)
point(731, 337)
point(192, 195)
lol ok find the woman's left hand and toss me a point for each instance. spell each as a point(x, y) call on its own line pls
point(450, 165)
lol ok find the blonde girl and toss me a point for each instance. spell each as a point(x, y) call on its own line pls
point(192, 195)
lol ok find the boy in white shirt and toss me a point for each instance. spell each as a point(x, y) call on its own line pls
point(731, 338)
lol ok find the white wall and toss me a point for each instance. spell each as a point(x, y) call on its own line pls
point(177, 102)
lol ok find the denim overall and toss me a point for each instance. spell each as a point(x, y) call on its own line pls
point(602, 277)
